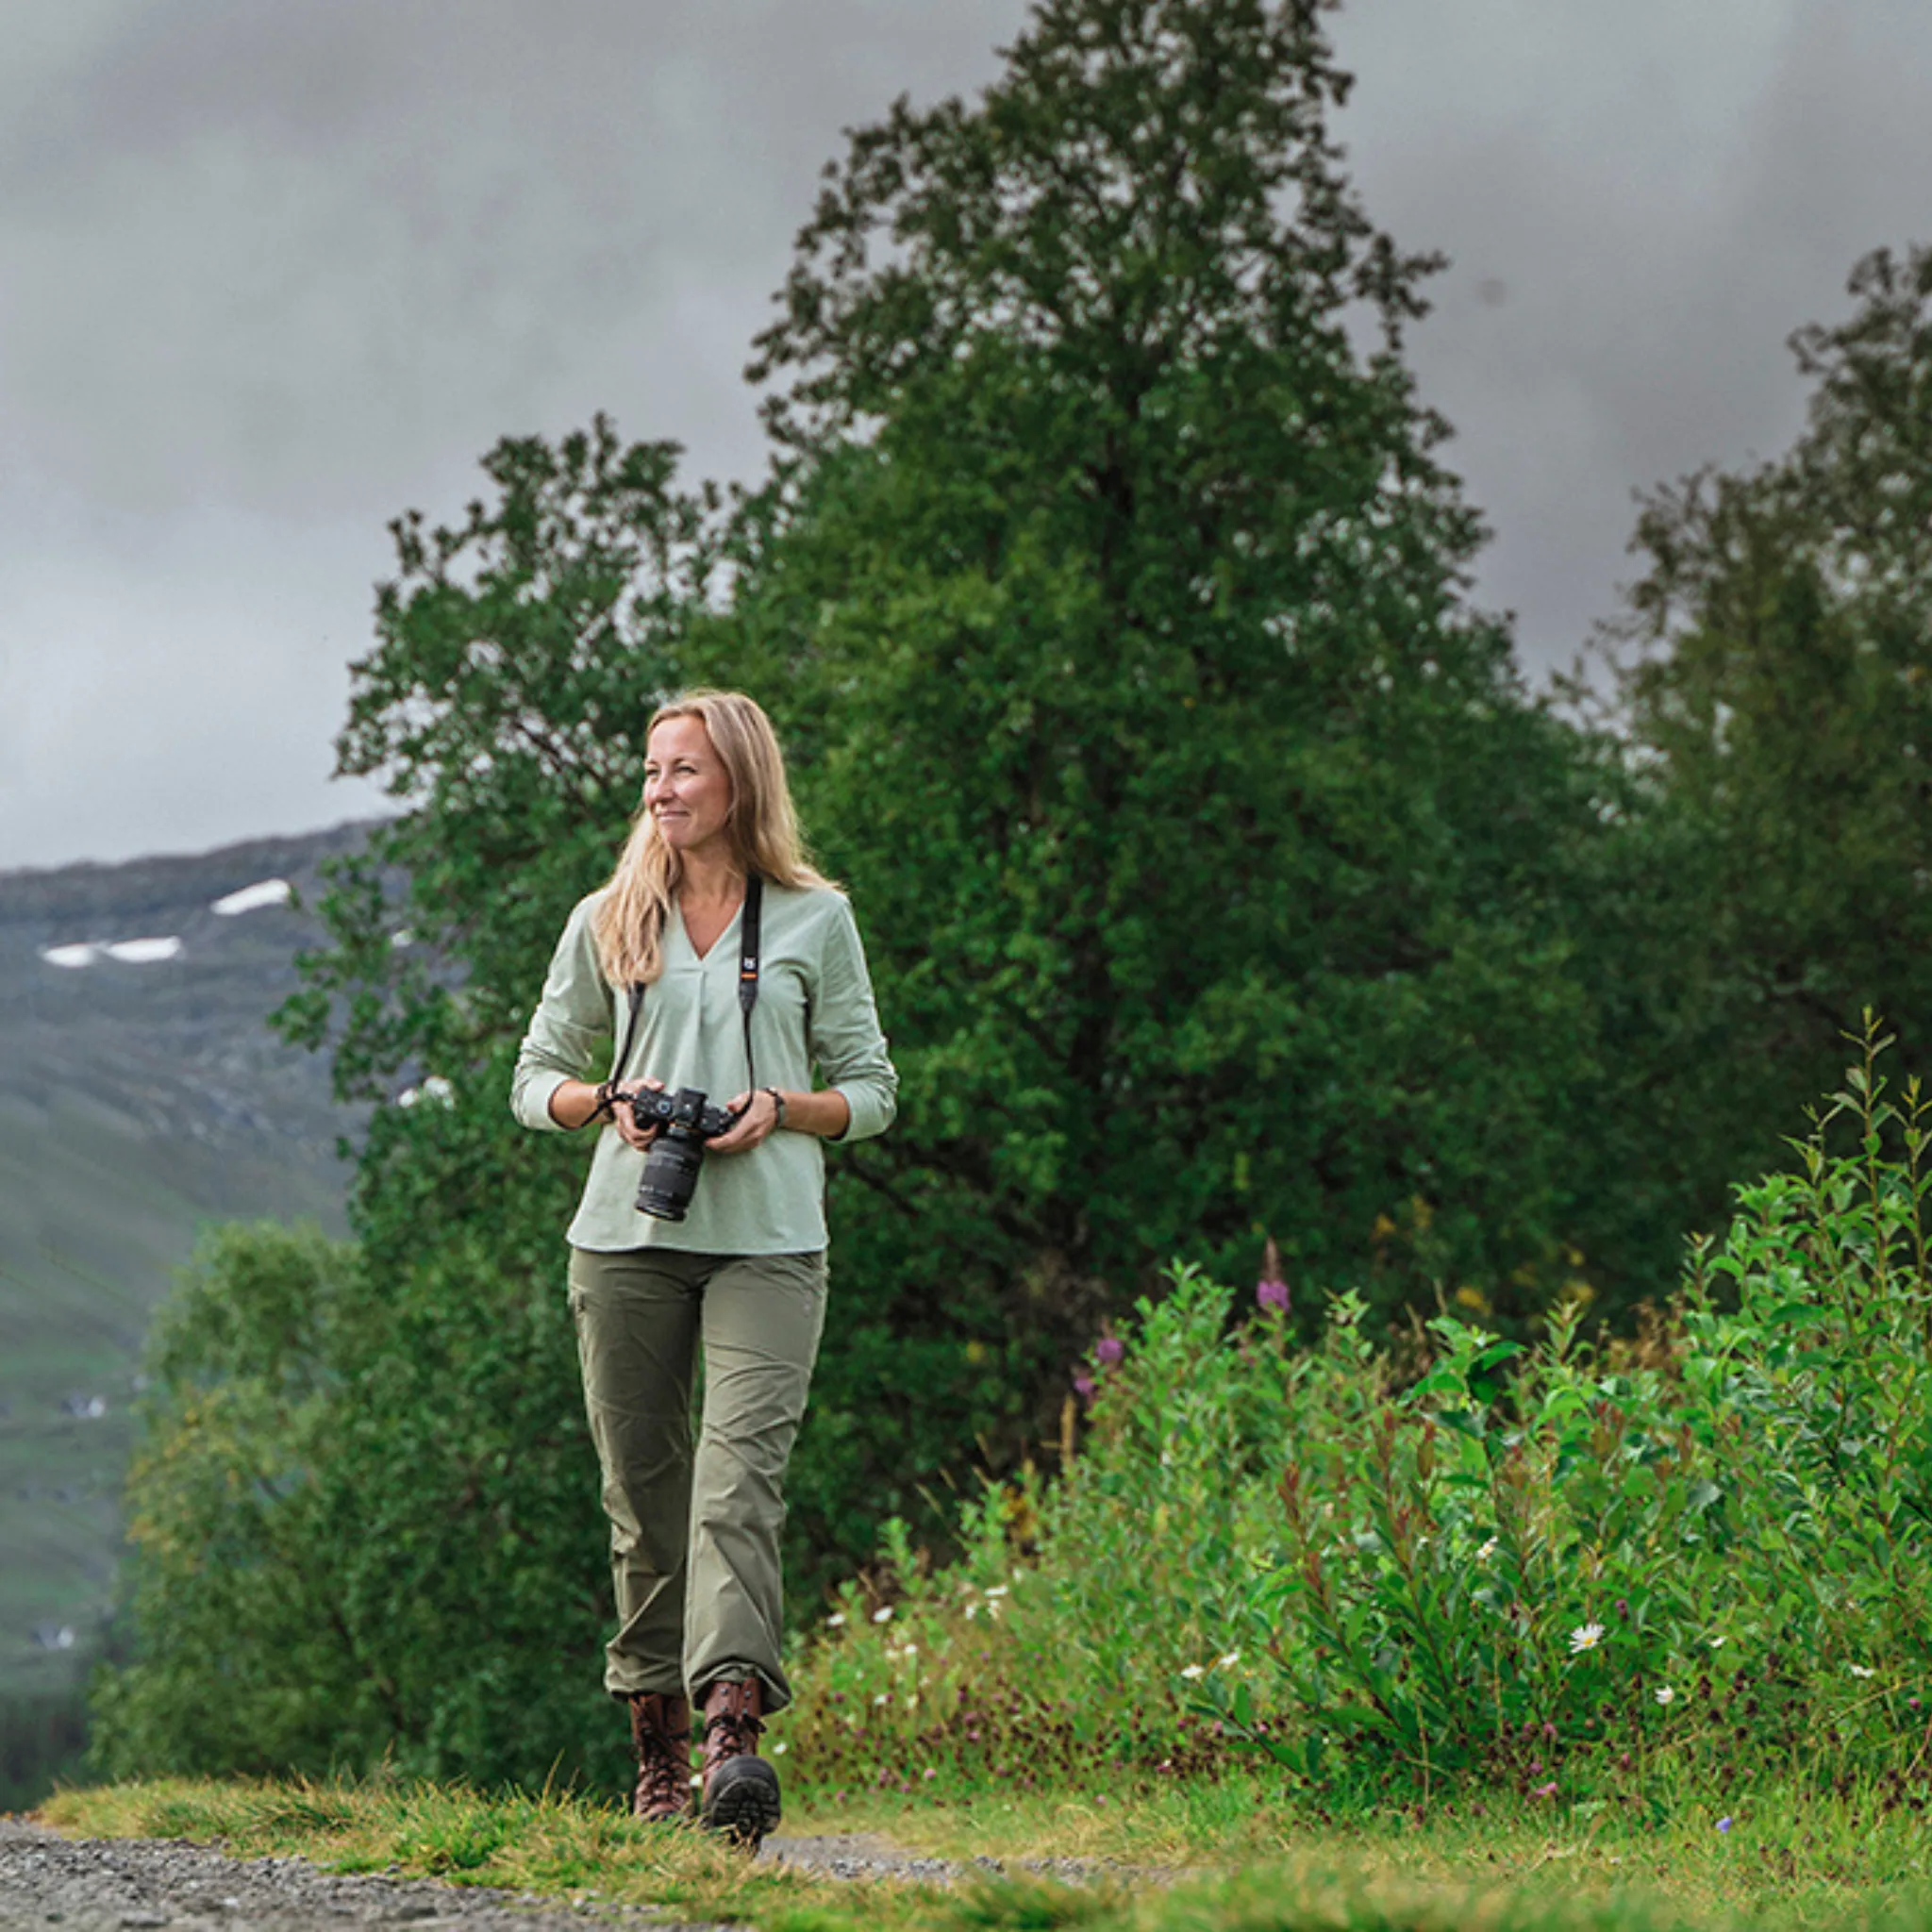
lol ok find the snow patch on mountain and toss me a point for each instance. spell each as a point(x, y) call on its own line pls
point(128, 952)
point(252, 898)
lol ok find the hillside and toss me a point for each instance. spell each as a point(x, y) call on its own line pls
point(141, 1094)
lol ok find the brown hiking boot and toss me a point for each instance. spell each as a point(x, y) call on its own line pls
point(741, 1788)
point(661, 1729)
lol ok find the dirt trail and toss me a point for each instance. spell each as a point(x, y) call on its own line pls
point(114, 1884)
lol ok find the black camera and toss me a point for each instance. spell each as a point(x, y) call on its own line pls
point(686, 1120)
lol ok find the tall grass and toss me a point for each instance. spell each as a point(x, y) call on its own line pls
point(1589, 1570)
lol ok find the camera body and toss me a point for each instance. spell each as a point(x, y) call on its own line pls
point(686, 1120)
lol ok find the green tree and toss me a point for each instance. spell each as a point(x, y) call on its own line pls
point(364, 1522)
point(1775, 677)
point(1213, 860)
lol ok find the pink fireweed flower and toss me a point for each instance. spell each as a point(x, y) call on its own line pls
point(1108, 1350)
point(1271, 1292)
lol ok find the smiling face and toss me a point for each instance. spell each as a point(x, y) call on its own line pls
point(686, 791)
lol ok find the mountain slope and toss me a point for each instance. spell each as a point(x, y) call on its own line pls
point(141, 1094)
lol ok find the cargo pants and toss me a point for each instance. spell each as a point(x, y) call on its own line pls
point(694, 1531)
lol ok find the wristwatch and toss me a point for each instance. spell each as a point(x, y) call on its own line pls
point(777, 1101)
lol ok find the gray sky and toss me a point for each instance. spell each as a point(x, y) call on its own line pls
point(271, 273)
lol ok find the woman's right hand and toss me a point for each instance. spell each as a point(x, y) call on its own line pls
point(624, 1121)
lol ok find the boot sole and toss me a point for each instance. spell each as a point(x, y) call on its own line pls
point(742, 1802)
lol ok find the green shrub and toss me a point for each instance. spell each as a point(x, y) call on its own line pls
point(1571, 1568)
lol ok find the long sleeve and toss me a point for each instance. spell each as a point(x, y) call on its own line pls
point(570, 1028)
point(847, 1041)
point(815, 1006)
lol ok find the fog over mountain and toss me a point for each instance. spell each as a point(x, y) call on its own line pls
point(270, 275)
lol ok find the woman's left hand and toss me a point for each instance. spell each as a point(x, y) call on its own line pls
point(758, 1120)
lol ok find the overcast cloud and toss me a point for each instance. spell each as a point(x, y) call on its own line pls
point(271, 273)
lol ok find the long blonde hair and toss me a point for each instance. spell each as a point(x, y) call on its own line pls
point(764, 829)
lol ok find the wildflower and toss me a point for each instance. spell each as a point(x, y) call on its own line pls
point(884, 1697)
point(1108, 1350)
point(1194, 1670)
point(836, 1619)
point(1665, 1695)
point(1548, 1791)
point(883, 1614)
point(1084, 1384)
point(778, 1749)
point(1271, 1292)
point(998, 1589)
point(1863, 1670)
point(1723, 1824)
point(972, 1613)
point(1584, 1637)
point(1228, 1662)
point(1488, 1550)
point(1717, 1643)
point(928, 1772)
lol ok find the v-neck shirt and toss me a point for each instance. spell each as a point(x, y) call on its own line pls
point(814, 1005)
point(725, 931)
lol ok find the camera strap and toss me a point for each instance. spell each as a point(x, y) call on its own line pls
point(748, 984)
point(748, 966)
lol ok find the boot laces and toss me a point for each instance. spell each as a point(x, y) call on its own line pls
point(663, 1763)
point(732, 1731)
point(662, 1781)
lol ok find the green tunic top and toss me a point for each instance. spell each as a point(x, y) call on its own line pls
point(814, 1004)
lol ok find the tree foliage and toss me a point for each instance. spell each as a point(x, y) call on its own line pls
point(361, 1526)
point(1776, 676)
point(1210, 852)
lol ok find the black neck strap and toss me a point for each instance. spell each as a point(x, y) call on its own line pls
point(748, 983)
point(748, 966)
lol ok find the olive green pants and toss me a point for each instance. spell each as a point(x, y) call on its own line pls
point(694, 1532)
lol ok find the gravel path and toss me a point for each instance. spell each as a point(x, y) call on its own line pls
point(112, 1885)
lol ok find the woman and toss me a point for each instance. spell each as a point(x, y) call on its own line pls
point(658, 961)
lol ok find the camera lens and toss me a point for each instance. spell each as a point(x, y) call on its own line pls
point(670, 1175)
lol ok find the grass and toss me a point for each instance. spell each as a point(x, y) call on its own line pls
point(1230, 1857)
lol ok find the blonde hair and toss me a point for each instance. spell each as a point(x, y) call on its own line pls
point(764, 829)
